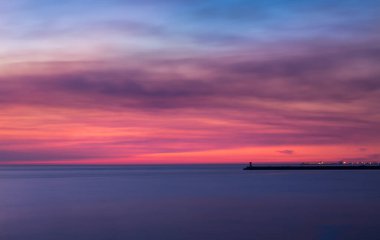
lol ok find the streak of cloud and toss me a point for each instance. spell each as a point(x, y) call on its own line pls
point(136, 80)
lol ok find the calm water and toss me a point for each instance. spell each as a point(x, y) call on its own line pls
point(187, 203)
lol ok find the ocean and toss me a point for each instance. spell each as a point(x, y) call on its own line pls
point(186, 202)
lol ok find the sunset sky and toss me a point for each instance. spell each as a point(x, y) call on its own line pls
point(176, 81)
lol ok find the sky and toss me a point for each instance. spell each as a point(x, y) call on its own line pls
point(176, 81)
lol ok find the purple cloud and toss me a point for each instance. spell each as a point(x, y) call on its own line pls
point(287, 152)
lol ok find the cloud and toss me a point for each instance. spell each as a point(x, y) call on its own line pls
point(335, 77)
point(374, 157)
point(293, 97)
point(286, 152)
point(363, 149)
point(42, 155)
point(171, 77)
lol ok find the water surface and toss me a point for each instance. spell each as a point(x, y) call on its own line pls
point(192, 202)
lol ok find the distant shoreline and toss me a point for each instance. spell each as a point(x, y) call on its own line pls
point(315, 167)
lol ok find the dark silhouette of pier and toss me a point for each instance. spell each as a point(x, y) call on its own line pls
point(326, 166)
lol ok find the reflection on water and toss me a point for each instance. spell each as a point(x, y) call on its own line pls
point(186, 203)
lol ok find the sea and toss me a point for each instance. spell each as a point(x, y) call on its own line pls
point(187, 202)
